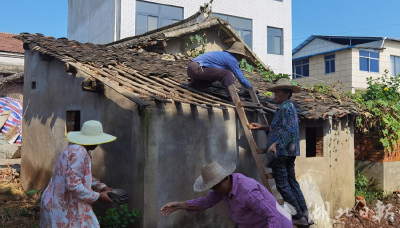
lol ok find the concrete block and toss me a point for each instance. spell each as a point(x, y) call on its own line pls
point(10, 151)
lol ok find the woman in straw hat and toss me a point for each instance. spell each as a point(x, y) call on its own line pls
point(284, 140)
point(67, 200)
point(249, 203)
point(218, 66)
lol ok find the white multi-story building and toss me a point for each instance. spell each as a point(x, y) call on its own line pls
point(265, 25)
point(349, 59)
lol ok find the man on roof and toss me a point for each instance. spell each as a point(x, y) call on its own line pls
point(218, 66)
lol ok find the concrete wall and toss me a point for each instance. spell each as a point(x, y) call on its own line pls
point(91, 21)
point(11, 62)
point(343, 70)
point(333, 173)
point(317, 46)
point(387, 174)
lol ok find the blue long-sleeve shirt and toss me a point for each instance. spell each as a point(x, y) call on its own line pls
point(285, 130)
point(223, 60)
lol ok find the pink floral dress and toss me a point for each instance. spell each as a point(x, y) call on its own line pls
point(67, 200)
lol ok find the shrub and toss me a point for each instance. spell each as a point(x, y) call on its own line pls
point(118, 217)
point(367, 188)
point(381, 99)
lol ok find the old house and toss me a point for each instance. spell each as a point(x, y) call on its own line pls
point(349, 59)
point(264, 25)
point(11, 55)
point(137, 88)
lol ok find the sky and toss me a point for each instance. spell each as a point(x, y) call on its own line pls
point(310, 17)
point(345, 18)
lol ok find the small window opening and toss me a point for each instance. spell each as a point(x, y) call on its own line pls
point(33, 85)
point(73, 121)
point(314, 142)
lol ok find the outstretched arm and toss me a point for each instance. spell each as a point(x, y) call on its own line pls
point(193, 206)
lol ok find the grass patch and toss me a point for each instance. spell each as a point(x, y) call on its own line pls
point(8, 191)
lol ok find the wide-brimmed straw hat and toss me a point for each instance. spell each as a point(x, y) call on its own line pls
point(284, 83)
point(91, 134)
point(237, 48)
point(211, 174)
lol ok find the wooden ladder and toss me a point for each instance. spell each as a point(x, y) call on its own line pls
point(257, 106)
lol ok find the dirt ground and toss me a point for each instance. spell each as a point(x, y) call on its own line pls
point(17, 209)
point(390, 206)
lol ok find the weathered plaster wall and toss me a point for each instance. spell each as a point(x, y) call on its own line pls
point(157, 156)
point(214, 43)
point(334, 172)
point(179, 140)
point(91, 21)
point(160, 150)
point(119, 164)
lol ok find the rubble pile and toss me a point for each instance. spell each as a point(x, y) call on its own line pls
point(10, 174)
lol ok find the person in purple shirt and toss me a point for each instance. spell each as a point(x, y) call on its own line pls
point(218, 66)
point(248, 202)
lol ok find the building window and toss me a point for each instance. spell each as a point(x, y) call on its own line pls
point(369, 61)
point(301, 68)
point(150, 16)
point(73, 121)
point(395, 65)
point(243, 26)
point(314, 142)
point(329, 64)
point(33, 85)
point(275, 41)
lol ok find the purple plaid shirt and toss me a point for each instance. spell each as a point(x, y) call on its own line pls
point(249, 203)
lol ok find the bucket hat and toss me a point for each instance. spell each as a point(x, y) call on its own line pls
point(91, 134)
point(284, 83)
point(237, 48)
point(211, 174)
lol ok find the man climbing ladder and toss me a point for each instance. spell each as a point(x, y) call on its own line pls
point(284, 141)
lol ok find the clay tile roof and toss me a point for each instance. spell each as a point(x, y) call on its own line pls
point(9, 44)
point(140, 76)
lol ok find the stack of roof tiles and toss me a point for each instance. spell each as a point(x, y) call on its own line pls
point(119, 196)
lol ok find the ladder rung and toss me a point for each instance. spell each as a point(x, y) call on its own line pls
point(260, 111)
point(281, 201)
point(261, 151)
point(247, 104)
point(269, 175)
